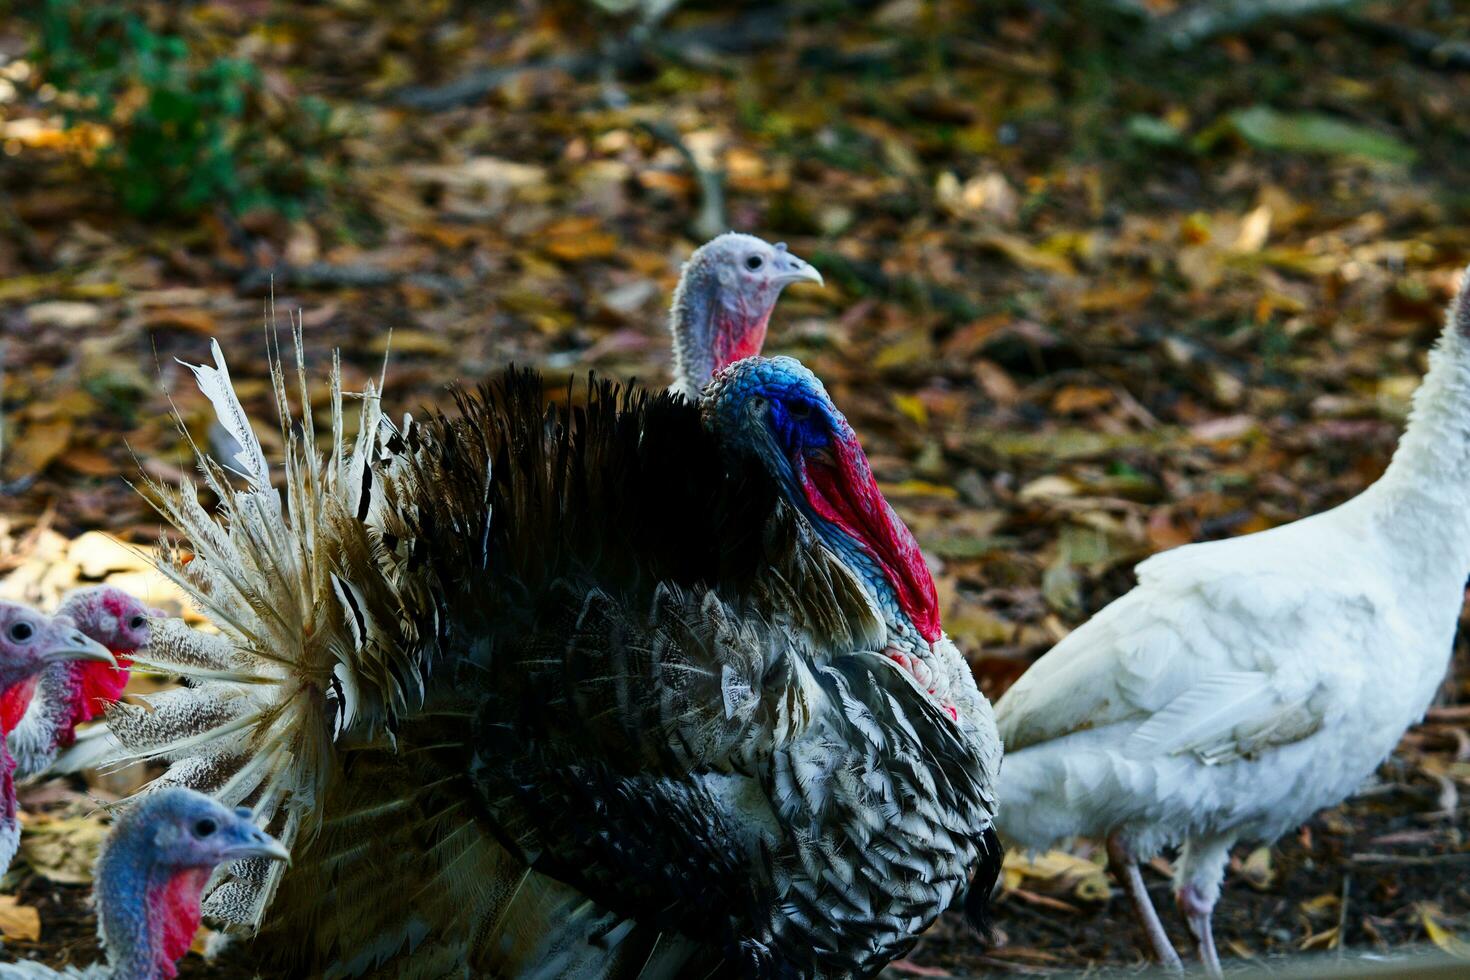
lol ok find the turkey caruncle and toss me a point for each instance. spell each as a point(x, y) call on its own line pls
point(624, 686)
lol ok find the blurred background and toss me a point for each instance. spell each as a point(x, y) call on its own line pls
point(1102, 278)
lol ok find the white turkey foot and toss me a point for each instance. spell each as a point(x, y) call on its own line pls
point(1197, 909)
point(1125, 869)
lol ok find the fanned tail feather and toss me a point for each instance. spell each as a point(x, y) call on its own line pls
point(314, 640)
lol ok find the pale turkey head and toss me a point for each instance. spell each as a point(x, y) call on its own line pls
point(723, 304)
point(30, 642)
point(777, 410)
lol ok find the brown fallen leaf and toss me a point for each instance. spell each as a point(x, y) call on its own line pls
point(63, 850)
point(19, 922)
point(193, 321)
point(37, 447)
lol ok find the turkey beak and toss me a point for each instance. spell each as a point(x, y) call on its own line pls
point(262, 846)
point(77, 646)
point(791, 269)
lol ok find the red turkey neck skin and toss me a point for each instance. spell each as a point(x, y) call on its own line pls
point(738, 333)
point(174, 905)
point(847, 496)
point(14, 701)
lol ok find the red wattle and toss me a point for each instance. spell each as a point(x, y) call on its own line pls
point(14, 701)
point(99, 685)
point(847, 495)
point(173, 910)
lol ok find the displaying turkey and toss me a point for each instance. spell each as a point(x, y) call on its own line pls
point(1244, 684)
point(30, 643)
point(40, 718)
point(723, 304)
point(624, 686)
point(149, 879)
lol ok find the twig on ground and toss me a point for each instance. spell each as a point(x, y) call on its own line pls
point(1411, 860)
point(1427, 47)
point(750, 32)
point(711, 218)
point(1202, 21)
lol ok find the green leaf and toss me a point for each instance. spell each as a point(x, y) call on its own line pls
point(1310, 132)
point(1153, 131)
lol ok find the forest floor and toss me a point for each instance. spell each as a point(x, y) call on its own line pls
point(1087, 297)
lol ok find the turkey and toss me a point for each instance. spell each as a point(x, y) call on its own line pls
point(41, 718)
point(30, 643)
point(151, 873)
point(625, 686)
point(723, 304)
point(1244, 684)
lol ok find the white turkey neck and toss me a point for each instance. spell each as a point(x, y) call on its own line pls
point(1423, 498)
point(691, 321)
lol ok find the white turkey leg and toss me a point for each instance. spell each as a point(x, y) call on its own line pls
point(1125, 868)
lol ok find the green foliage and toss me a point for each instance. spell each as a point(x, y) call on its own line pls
point(187, 132)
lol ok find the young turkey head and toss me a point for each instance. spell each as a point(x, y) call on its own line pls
point(30, 643)
point(153, 870)
point(118, 621)
point(777, 410)
point(723, 304)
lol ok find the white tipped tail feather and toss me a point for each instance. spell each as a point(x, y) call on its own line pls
point(301, 657)
point(1244, 684)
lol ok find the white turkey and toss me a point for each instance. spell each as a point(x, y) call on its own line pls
point(150, 876)
point(622, 687)
point(1244, 684)
point(30, 644)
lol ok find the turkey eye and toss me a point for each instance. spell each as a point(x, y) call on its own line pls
point(137, 622)
point(754, 262)
point(22, 632)
point(204, 828)
point(800, 411)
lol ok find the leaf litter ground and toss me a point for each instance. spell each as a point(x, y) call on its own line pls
point(1083, 304)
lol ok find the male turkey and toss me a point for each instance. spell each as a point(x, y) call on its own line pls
point(30, 643)
point(621, 687)
point(150, 876)
point(1245, 684)
point(40, 717)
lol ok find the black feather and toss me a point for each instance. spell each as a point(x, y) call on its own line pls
point(982, 886)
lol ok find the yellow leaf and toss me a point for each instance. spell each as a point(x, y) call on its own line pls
point(912, 408)
point(1023, 253)
point(1443, 938)
point(918, 488)
point(63, 850)
point(412, 342)
point(1254, 230)
point(1085, 879)
point(1257, 869)
point(20, 922)
point(912, 349)
point(1049, 487)
point(97, 554)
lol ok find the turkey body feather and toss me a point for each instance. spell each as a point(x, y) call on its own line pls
point(1189, 708)
point(556, 690)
